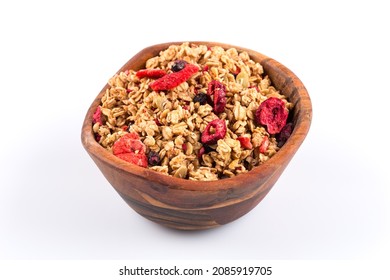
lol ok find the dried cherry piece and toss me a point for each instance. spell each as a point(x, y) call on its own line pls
point(208, 137)
point(178, 65)
point(153, 158)
point(174, 79)
point(98, 116)
point(150, 73)
point(218, 90)
point(245, 142)
point(284, 134)
point(128, 143)
point(273, 114)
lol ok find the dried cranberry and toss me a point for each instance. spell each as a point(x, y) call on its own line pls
point(98, 137)
point(157, 121)
point(153, 158)
point(284, 134)
point(218, 90)
point(202, 98)
point(201, 152)
point(273, 114)
point(245, 142)
point(178, 65)
point(220, 131)
point(174, 79)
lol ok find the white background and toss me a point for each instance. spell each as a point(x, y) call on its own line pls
point(331, 203)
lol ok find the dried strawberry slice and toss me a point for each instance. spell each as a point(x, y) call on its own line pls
point(98, 116)
point(245, 142)
point(130, 148)
point(264, 145)
point(150, 73)
point(218, 90)
point(128, 143)
point(220, 131)
point(273, 114)
point(138, 159)
point(174, 79)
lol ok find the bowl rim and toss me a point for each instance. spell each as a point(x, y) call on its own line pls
point(286, 152)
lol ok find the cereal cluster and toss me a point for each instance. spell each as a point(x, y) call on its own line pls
point(195, 112)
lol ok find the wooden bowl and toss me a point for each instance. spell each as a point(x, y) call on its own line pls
point(192, 205)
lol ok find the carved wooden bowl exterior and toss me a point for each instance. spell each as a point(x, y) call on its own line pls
point(192, 205)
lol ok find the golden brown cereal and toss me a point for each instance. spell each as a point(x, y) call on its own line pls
point(171, 124)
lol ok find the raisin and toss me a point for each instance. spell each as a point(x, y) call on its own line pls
point(273, 114)
point(245, 142)
point(178, 65)
point(210, 138)
point(153, 158)
point(174, 79)
point(218, 90)
point(150, 73)
point(202, 98)
point(284, 134)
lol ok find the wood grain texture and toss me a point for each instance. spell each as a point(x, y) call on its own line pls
point(191, 205)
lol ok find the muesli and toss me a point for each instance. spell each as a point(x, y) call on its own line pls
point(195, 112)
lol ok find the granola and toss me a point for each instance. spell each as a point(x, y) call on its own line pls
point(195, 112)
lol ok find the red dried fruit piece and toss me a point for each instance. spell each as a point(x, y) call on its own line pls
point(273, 114)
point(98, 116)
point(157, 121)
point(128, 143)
point(201, 152)
point(130, 148)
point(284, 134)
point(150, 73)
point(174, 79)
point(264, 145)
point(245, 142)
point(138, 159)
point(220, 131)
point(218, 90)
point(238, 70)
